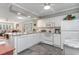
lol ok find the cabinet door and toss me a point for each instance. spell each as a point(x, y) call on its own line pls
point(70, 25)
point(22, 43)
point(38, 37)
point(58, 20)
point(34, 38)
point(57, 41)
point(26, 41)
point(47, 36)
point(28, 27)
point(19, 43)
point(70, 35)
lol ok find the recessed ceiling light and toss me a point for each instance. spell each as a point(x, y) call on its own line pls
point(19, 17)
point(18, 13)
point(47, 7)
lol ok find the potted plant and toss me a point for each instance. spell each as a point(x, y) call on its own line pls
point(69, 17)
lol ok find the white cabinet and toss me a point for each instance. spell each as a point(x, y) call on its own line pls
point(58, 20)
point(70, 25)
point(41, 23)
point(52, 39)
point(48, 42)
point(22, 42)
point(70, 35)
point(32, 39)
point(57, 40)
point(19, 44)
point(6, 26)
point(47, 38)
point(27, 41)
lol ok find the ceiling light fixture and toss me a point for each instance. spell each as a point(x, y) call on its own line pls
point(47, 6)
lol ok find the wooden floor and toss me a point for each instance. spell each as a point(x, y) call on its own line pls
point(42, 49)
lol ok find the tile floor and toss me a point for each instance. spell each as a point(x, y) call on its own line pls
point(42, 49)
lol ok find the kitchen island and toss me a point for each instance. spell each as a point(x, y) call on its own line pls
point(23, 41)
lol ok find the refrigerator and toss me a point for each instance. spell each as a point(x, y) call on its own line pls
point(70, 33)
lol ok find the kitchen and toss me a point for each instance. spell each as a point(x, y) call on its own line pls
point(30, 30)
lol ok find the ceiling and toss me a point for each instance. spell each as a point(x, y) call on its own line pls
point(37, 8)
point(33, 9)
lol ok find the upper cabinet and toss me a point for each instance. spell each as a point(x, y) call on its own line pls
point(45, 23)
point(6, 26)
point(28, 26)
point(57, 21)
point(41, 23)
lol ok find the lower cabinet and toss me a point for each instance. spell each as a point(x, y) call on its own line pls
point(47, 38)
point(22, 42)
point(57, 40)
point(54, 39)
point(26, 41)
point(48, 42)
